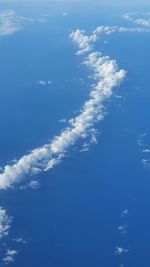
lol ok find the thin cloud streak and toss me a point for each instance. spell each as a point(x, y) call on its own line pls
point(11, 23)
point(134, 18)
point(5, 223)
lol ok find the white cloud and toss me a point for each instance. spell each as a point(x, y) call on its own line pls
point(143, 22)
point(124, 213)
point(107, 30)
point(5, 223)
point(120, 250)
point(19, 240)
point(10, 256)
point(64, 14)
point(62, 120)
point(147, 150)
point(11, 23)
point(106, 76)
point(44, 83)
point(146, 163)
point(134, 18)
point(84, 41)
point(123, 229)
point(144, 151)
point(34, 185)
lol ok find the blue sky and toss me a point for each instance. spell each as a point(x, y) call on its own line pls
point(101, 2)
point(106, 73)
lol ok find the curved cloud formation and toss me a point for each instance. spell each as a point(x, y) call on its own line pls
point(106, 76)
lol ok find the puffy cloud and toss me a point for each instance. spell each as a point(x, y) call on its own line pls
point(83, 41)
point(106, 76)
point(5, 223)
point(10, 256)
point(34, 185)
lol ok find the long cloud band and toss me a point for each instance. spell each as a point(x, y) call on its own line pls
point(107, 76)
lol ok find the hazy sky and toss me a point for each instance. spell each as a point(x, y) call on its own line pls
point(107, 2)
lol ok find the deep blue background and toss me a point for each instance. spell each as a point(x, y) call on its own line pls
point(72, 219)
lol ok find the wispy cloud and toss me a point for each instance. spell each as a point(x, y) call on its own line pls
point(19, 240)
point(5, 223)
point(44, 83)
point(135, 18)
point(65, 14)
point(120, 250)
point(122, 229)
point(144, 150)
point(124, 213)
point(11, 22)
point(107, 30)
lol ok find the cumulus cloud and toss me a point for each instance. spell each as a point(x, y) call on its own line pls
point(5, 223)
point(106, 75)
point(9, 256)
point(84, 41)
